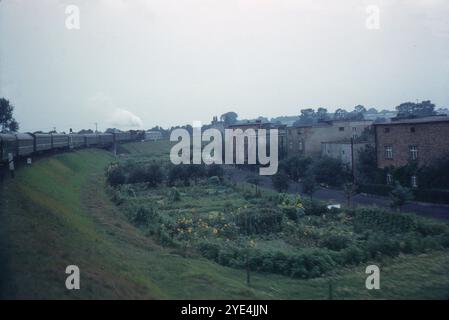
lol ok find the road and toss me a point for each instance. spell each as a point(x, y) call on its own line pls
point(439, 211)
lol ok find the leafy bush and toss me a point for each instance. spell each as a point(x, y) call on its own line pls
point(259, 221)
point(215, 170)
point(280, 182)
point(115, 175)
point(335, 242)
point(384, 221)
point(330, 171)
point(314, 208)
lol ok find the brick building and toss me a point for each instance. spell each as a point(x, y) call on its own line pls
point(422, 140)
point(306, 139)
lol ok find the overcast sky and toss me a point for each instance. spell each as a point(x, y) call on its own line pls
point(165, 62)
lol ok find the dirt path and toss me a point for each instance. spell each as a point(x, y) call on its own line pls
point(439, 211)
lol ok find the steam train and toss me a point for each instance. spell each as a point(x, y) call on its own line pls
point(25, 144)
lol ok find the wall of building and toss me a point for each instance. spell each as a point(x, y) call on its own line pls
point(343, 151)
point(307, 140)
point(432, 140)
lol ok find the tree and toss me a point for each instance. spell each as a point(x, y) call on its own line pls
point(322, 114)
point(367, 165)
point(307, 116)
point(295, 167)
point(280, 182)
point(360, 109)
point(7, 121)
point(399, 196)
point(372, 111)
point(229, 118)
point(309, 184)
point(340, 114)
point(410, 109)
point(330, 171)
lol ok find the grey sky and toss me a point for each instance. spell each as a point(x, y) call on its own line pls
point(165, 62)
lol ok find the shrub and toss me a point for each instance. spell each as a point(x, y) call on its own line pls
point(383, 221)
point(174, 195)
point(153, 175)
point(259, 221)
point(280, 182)
point(215, 170)
point(330, 171)
point(137, 175)
point(214, 181)
point(335, 242)
point(115, 175)
point(314, 208)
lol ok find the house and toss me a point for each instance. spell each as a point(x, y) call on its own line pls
point(419, 140)
point(306, 139)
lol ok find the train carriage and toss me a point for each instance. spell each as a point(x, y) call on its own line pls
point(42, 142)
point(25, 144)
point(91, 139)
point(59, 141)
point(8, 144)
point(76, 141)
point(106, 139)
point(122, 136)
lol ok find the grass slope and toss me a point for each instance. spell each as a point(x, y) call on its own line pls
point(56, 213)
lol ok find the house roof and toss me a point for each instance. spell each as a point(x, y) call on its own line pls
point(431, 119)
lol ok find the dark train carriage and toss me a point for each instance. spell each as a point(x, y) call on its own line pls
point(8, 144)
point(25, 144)
point(106, 139)
point(122, 136)
point(42, 142)
point(91, 139)
point(59, 141)
point(77, 140)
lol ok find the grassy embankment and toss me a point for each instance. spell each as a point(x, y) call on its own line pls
point(57, 213)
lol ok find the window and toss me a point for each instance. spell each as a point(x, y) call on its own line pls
point(413, 150)
point(389, 152)
point(412, 129)
point(389, 178)
point(341, 128)
point(386, 130)
point(300, 145)
point(414, 182)
point(354, 129)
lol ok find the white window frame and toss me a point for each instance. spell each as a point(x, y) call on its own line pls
point(413, 152)
point(414, 181)
point(389, 178)
point(388, 150)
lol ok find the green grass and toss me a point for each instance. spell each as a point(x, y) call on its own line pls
point(57, 213)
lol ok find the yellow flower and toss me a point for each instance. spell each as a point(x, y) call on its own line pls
point(215, 231)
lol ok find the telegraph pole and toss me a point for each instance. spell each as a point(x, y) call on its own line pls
point(96, 127)
point(352, 160)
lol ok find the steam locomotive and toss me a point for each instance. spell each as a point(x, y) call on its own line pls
point(26, 144)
